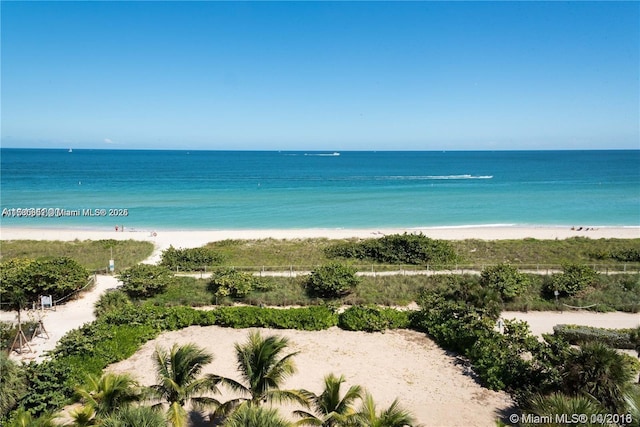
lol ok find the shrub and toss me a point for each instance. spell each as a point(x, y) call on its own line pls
point(111, 300)
point(145, 280)
point(615, 338)
point(189, 259)
point(505, 279)
point(573, 279)
point(236, 284)
point(372, 319)
point(332, 281)
point(397, 249)
point(309, 318)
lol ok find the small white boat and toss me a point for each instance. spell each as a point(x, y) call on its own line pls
point(70, 150)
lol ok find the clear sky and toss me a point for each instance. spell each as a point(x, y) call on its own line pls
point(321, 75)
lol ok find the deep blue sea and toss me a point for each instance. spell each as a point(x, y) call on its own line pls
point(271, 189)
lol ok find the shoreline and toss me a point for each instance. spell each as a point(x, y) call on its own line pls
point(189, 236)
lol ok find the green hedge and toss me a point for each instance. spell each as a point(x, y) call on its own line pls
point(373, 319)
point(575, 334)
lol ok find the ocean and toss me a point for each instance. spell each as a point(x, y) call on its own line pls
point(146, 189)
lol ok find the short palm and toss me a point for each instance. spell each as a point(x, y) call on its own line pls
point(178, 383)
point(393, 416)
point(558, 403)
point(601, 372)
point(109, 393)
point(330, 409)
point(135, 416)
point(263, 371)
point(255, 416)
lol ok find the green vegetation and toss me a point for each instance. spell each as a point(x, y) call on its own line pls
point(458, 311)
point(614, 338)
point(191, 259)
point(333, 280)
point(573, 279)
point(235, 284)
point(373, 319)
point(24, 280)
point(177, 371)
point(396, 249)
point(504, 279)
point(145, 280)
point(93, 255)
point(331, 410)
point(13, 384)
point(309, 253)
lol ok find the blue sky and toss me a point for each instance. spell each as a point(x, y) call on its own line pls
point(321, 75)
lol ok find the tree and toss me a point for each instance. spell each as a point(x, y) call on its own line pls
point(574, 278)
point(13, 384)
point(393, 416)
point(263, 371)
point(505, 279)
point(333, 280)
point(178, 383)
point(255, 416)
point(145, 280)
point(331, 409)
point(109, 392)
point(601, 372)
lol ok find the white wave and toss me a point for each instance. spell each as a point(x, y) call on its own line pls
point(439, 177)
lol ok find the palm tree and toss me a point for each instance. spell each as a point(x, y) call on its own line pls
point(109, 393)
point(600, 371)
point(84, 416)
point(23, 418)
point(332, 409)
point(255, 416)
point(558, 403)
point(177, 372)
point(263, 371)
point(393, 416)
point(13, 384)
point(135, 416)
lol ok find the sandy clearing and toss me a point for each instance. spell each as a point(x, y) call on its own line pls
point(397, 364)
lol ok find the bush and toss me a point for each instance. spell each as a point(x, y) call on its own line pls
point(573, 279)
point(312, 318)
point(397, 249)
point(190, 259)
point(505, 279)
point(145, 280)
point(332, 281)
point(615, 338)
point(236, 284)
point(372, 319)
point(111, 300)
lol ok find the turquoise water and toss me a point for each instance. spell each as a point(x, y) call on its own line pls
point(253, 189)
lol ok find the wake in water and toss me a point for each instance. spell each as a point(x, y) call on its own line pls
point(437, 177)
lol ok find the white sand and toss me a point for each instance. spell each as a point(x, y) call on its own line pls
point(397, 364)
point(63, 319)
point(542, 322)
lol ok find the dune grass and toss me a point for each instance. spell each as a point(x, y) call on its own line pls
point(91, 254)
point(308, 253)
